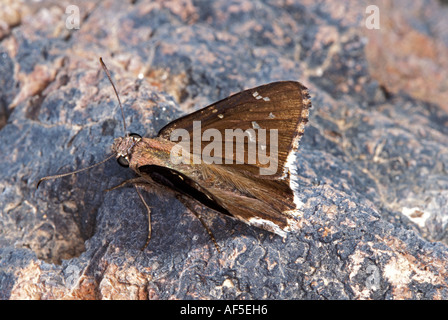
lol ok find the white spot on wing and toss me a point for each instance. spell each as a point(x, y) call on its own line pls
point(267, 225)
point(289, 164)
point(258, 96)
point(292, 170)
point(255, 125)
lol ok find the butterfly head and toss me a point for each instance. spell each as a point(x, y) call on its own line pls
point(122, 148)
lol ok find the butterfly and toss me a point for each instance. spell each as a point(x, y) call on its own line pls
point(235, 156)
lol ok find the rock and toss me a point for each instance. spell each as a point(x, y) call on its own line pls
point(372, 164)
point(410, 51)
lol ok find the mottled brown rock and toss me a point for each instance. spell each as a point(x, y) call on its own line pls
point(372, 165)
point(410, 50)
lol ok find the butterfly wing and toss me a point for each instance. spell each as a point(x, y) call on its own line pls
point(264, 200)
point(279, 107)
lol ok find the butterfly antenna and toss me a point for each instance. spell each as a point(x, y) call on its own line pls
point(57, 176)
point(116, 93)
point(109, 157)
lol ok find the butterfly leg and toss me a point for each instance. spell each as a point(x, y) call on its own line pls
point(136, 182)
point(190, 206)
point(148, 210)
point(133, 181)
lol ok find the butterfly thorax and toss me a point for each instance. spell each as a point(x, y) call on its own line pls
point(123, 146)
point(144, 151)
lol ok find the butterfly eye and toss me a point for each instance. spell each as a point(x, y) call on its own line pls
point(123, 161)
point(136, 136)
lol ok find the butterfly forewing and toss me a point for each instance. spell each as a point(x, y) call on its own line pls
point(279, 106)
point(280, 109)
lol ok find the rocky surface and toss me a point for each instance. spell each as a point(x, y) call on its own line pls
point(372, 164)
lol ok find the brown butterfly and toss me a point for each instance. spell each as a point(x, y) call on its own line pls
point(244, 172)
